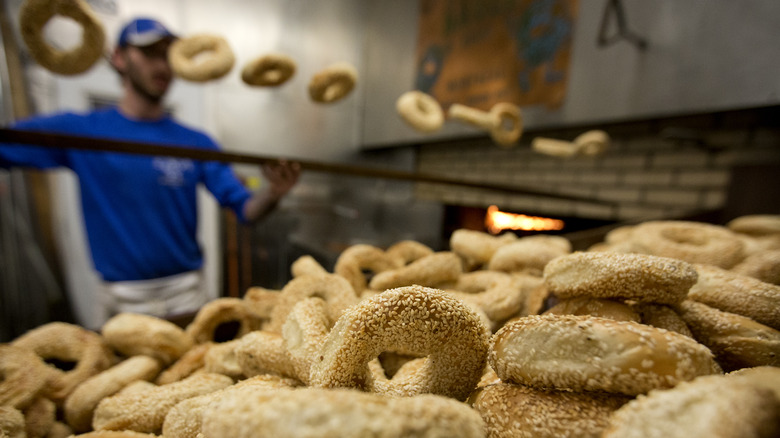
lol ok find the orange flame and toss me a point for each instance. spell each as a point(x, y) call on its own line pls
point(497, 221)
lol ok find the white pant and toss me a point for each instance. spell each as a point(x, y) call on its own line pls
point(174, 295)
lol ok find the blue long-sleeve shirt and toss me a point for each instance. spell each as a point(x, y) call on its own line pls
point(140, 211)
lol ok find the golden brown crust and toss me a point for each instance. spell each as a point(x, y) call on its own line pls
point(353, 261)
point(218, 63)
point(408, 251)
point(263, 352)
point(735, 293)
point(737, 341)
point(269, 70)
point(114, 434)
point(420, 110)
point(304, 332)
point(134, 334)
point(712, 406)
point(144, 411)
point(639, 277)
point(23, 376)
point(185, 366)
point(69, 343)
point(589, 353)
point(611, 309)
point(755, 224)
point(33, 17)
point(39, 417)
point(307, 265)
point(81, 404)
point(334, 289)
point(662, 316)
point(478, 246)
point(761, 265)
point(333, 83)
point(222, 320)
point(11, 423)
point(410, 320)
point(520, 411)
point(430, 271)
point(302, 413)
point(185, 419)
point(221, 359)
point(529, 254)
point(693, 242)
point(498, 294)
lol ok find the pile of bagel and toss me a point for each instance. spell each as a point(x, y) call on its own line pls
point(664, 329)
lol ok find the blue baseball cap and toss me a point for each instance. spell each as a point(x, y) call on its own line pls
point(143, 32)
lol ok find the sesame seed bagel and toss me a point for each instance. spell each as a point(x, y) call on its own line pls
point(334, 289)
point(337, 413)
point(602, 307)
point(736, 293)
point(477, 247)
point(710, 406)
point(359, 258)
point(595, 354)
point(737, 341)
point(134, 334)
point(412, 320)
point(23, 376)
point(529, 254)
point(662, 316)
point(761, 265)
point(694, 242)
point(83, 352)
point(81, 404)
point(186, 365)
point(145, 410)
point(222, 320)
point(431, 271)
point(637, 277)
point(408, 251)
point(755, 224)
point(510, 410)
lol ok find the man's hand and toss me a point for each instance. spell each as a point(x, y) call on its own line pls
point(281, 176)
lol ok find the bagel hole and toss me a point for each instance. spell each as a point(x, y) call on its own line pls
point(63, 33)
point(272, 75)
point(202, 57)
point(507, 123)
point(368, 274)
point(392, 362)
point(684, 237)
point(227, 331)
point(61, 364)
point(332, 92)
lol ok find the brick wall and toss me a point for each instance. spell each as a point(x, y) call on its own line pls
point(656, 168)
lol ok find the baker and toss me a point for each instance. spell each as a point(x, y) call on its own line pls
point(140, 212)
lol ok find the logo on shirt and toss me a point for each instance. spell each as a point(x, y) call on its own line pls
point(172, 170)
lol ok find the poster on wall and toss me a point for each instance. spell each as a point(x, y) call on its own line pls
point(481, 52)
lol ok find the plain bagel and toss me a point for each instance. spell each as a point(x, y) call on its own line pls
point(268, 71)
point(33, 17)
point(201, 58)
point(333, 83)
point(420, 110)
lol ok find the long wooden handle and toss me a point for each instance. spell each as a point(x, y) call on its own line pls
point(137, 148)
